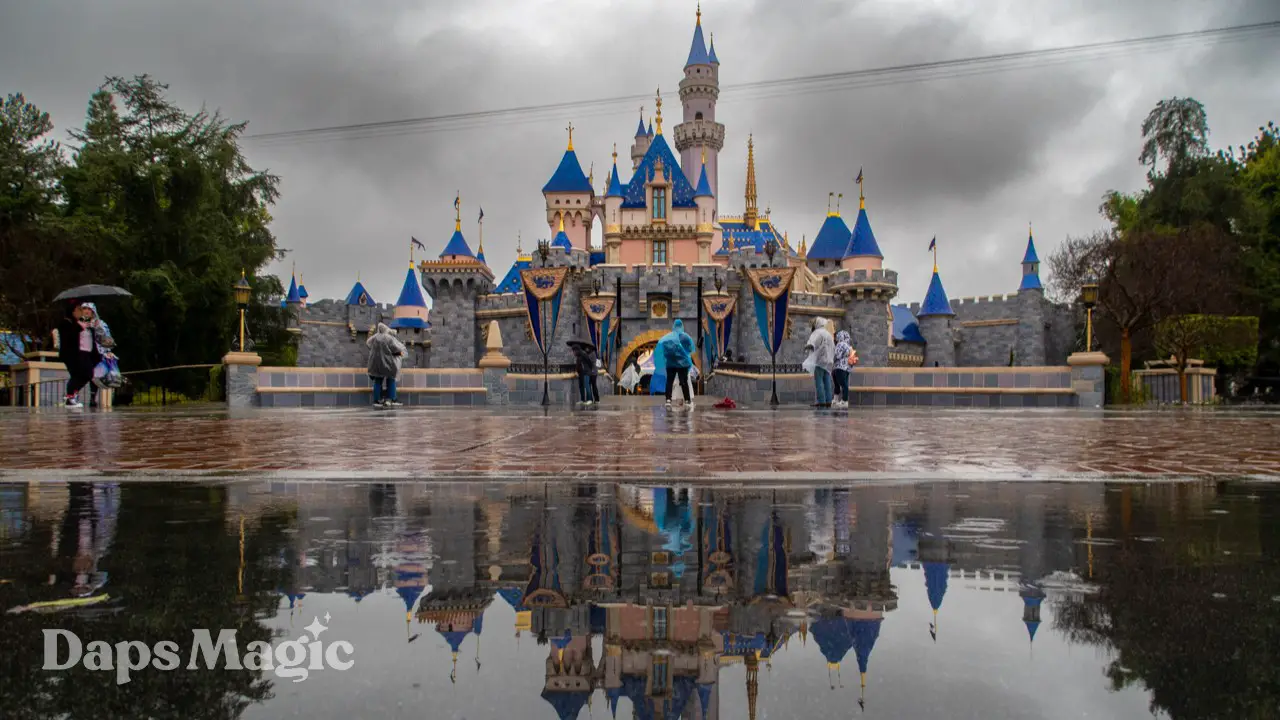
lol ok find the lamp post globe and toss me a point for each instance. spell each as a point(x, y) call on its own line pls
point(242, 291)
point(1089, 298)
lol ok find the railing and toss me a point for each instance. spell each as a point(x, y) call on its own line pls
point(47, 393)
point(161, 387)
point(758, 369)
point(536, 368)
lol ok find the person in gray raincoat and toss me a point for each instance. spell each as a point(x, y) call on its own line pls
point(386, 353)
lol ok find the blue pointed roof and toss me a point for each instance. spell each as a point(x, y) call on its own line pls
point(1031, 256)
point(905, 327)
point(712, 52)
point(409, 595)
point(596, 258)
point(935, 299)
point(615, 184)
point(682, 192)
point(411, 293)
point(831, 241)
point(862, 242)
point(457, 245)
point(640, 131)
point(358, 291)
point(302, 292)
point(737, 236)
point(480, 257)
point(511, 281)
point(292, 298)
point(454, 638)
point(833, 638)
point(568, 177)
point(567, 704)
point(649, 132)
point(1030, 265)
point(865, 633)
point(935, 582)
point(561, 241)
point(704, 187)
point(698, 50)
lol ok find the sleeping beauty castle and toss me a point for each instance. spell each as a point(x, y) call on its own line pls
point(670, 250)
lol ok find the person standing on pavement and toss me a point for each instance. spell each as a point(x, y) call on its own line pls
point(585, 361)
point(676, 349)
point(823, 347)
point(386, 353)
point(77, 342)
point(844, 351)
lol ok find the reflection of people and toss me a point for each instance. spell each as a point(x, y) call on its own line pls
point(676, 351)
point(823, 347)
point(385, 356)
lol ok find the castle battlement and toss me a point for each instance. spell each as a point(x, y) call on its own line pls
point(822, 300)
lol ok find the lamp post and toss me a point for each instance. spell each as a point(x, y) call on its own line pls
point(544, 249)
point(242, 292)
point(1089, 297)
point(771, 249)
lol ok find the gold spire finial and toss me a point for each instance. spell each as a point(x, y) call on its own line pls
point(570, 129)
point(862, 199)
point(591, 174)
point(699, 12)
point(750, 214)
point(658, 118)
point(704, 156)
point(562, 223)
point(804, 252)
point(519, 246)
point(615, 153)
point(829, 197)
point(457, 211)
point(839, 197)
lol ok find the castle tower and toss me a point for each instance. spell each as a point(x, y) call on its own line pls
point(863, 252)
point(1029, 348)
point(454, 282)
point(641, 144)
point(935, 318)
point(706, 201)
point(613, 215)
point(410, 312)
point(569, 197)
point(699, 135)
point(830, 244)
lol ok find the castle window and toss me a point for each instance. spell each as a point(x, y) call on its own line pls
point(659, 252)
point(659, 623)
point(659, 203)
point(697, 116)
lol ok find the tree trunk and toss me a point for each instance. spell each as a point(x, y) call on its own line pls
point(1126, 360)
point(1182, 382)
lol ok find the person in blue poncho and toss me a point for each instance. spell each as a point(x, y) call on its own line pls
point(673, 358)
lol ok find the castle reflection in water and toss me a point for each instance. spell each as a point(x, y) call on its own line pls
point(648, 592)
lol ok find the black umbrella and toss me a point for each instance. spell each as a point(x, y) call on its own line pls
point(92, 291)
point(584, 344)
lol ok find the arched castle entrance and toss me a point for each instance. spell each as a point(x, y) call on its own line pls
point(646, 341)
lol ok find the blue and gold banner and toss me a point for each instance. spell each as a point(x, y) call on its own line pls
point(599, 312)
point(717, 327)
point(772, 288)
point(542, 297)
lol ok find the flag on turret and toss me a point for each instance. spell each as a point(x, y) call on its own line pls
point(481, 218)
point(417, 243)
point(933, 243)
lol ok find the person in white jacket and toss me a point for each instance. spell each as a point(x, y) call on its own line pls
point(823, 348)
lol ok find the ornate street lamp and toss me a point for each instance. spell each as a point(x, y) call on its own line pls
point(242, 291)
point(1089, 297)
point(596, 285)
point(544, 249)
point(715, 279)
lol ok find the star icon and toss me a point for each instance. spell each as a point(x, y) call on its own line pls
point(315, 628)
point(327, 616)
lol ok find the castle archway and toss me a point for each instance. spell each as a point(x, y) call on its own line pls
point(646, 341)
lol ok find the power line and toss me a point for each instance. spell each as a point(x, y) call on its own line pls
point(799, 85)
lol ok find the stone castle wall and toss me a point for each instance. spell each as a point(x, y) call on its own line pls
point(333, 334)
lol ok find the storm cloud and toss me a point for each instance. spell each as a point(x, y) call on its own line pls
point(970, 159)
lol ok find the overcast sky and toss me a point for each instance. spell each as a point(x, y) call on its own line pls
point(971, 160)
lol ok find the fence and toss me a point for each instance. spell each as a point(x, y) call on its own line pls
point(175, 385)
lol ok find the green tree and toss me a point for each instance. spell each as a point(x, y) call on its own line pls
point(1177, 131)
point(1259, 182)
point(1215, 339)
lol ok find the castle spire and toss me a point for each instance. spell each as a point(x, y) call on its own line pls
point(862, 199)
point(570, 148)
point(457, 211)
point(658, 117)
point(750, 214)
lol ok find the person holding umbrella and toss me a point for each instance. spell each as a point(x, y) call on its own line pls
point(585, 362)
point(81, 338)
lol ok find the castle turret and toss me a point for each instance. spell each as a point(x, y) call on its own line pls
point(935, 318)
point(411, 308)
point(699, 135)
point(292, 297)
point(1030, 347)
point(569, 197)
point(641, 144)
point(829, 245)
point(706, 201)
point(613, 215)
point(863, 252)
point(455, 281)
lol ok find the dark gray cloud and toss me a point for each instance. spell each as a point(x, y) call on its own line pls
point(970, 159)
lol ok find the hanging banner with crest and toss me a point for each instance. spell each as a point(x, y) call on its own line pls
point(599, 312)
point(717, 327)
point(542, 297)
point(772, 288)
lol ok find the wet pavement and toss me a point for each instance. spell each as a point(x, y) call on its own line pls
point(600, 599)
point(646, 441)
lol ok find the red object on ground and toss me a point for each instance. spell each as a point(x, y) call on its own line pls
point(726, 404)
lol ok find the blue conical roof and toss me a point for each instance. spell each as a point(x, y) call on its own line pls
point(712, 52)
point(292, 297)
point(682, 191)
point(615, 184)
point(511, 282)
point(561, 241)
point(704, 187)
point(831, 241)
point(698, 50)
point(480, 258)
point(935, 300)
point(935, 582)
point(357, 292)
point(640, 131)
point(411, 293)
point(865, 633)
point(302, 292)
point(649, 133)
point(1031, 256)
point(409, 595)
point(457, 245)
point(568, 177)
point(1030, 267)
point(833, 638)
point(454, 638)
point(567, 704)
point(862, 242)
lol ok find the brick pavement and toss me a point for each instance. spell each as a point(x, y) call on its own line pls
point(641, 441)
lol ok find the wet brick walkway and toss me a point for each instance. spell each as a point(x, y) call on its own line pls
point(638, 442)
